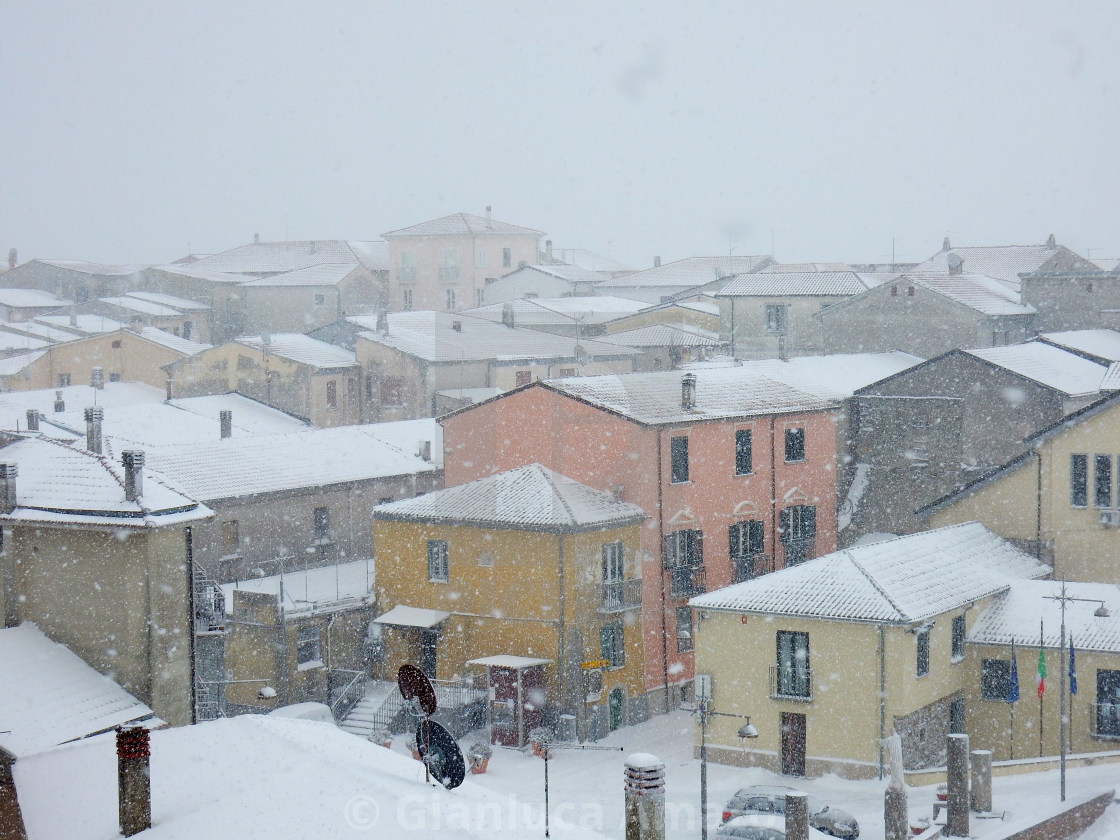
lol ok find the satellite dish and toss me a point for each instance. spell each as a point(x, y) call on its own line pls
point(440, 753)
point(416, 689)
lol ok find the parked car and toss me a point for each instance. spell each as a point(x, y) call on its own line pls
point(771, 799)
point(759, 827)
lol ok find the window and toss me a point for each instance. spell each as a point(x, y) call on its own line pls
point(188, 329)
point(959, 628)
point(478, 297)
point(486, 559)
point(523, 377)
point(229, 535)
point(332, 395)
point(63, 380)
point(480, 258)
point(320, 300)
point(795, 445)
point(322, 525)
point(406, 300)
point(593, 684)
point(114, 377)
point(793, 675)
point(308, 647)
point(612, 575)
point(678, 459)
point(775, 318)
point(684, 629)
point(449, 270)
point(1108, 703)
point(1102, 480)
point(452, 300)
point(922, 665)
point(612, 645)
point(407, 271)
point(507, 258)
point(797, 528)
point(743, 464)
point(746, 548)
point(567, 372)
point(1079, 480)
point(684, 558)
point(392, 390)
point(351, 392)
point(894, 291)
point(437, 561)
point(116, 344)
point(995, 679)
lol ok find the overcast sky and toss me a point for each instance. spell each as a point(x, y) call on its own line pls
point(134, 131)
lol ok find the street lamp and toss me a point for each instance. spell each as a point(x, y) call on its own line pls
point(1100, 612)
point(704, 710)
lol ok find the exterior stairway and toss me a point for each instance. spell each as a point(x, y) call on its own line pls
point(377, 708)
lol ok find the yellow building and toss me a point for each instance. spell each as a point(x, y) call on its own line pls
point(525, 564)
point(829, 656)
point(1059, 500)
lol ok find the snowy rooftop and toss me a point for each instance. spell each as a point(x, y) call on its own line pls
point(326, 274)
point(51, 696)
point(530, 497)
point(1111, 380)
point(801, 268)
point(197, 272)
point(571, 273)
point(142, 307)
point(1051, 366)
point(279, 257)
point(303, 349)
point(40, 330)
point(1102, 344)
point(1003, 262)
point(14, 404)
point(900, 580)
point(655, 398)
point(11, 343)
point(773, 284)
point(321, 589)
point(463, 224)
point(589, 260)
point(562, 310)
point(980, 292)
point(1017, 612)
point(433, 336)
point(665, 335)
point(407, 434)
point(86, 267)
point(173, 342)
point(691, 271)
point(30, 298)
point(836, 376)
point(247, 465)
point(84, 323)
point(172, 301)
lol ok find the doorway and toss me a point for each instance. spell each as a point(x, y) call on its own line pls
point(793, 744)
point(428, 640)
point(614, 709)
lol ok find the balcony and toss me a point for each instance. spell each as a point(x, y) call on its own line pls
point(749, 566)
point(790, 683)
point(687, 581)
point(620, 595)
point(449, 274)
point(406, 274)
point(797, 551)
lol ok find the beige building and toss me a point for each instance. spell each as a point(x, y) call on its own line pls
point(827, 657)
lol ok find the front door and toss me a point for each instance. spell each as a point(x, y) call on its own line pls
point(428, 639)
point(504, 696)
point(793, 744)
point(614, 708)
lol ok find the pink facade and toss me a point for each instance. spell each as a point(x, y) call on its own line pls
point(610, 452)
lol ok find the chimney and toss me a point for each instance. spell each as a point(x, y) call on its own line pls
point(688, 391)
point(12, 257)
point(167, 385)
point(133, 461)
point(644, 797)
point(382, 322)
point(956, 264)
point(507, 314)
point(617, 491)
point(1051, 242)
point(256, 239)
point(457, 326)
point(8, 473)
point(93, 428)
point(134, 784)
point(225, 418)
point(32, 419)
point(424, 449)
point(97, 377)
point(945, 246)
point(548, 249)
point(489, 221)
point(73, 316)
point(266, 339)
point(59, 405)
point(657, 262)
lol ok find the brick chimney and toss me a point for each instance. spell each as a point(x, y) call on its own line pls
point(657, 262)
point(94, 417)
point(13, 256)
point(688, 391)
point(32, 419)
point(97, 377)
point(133, 462)
point(59, 403)
point(956, 264)
point(225, 418)
point(489, 221)
point(8, 473)
point(507, 314)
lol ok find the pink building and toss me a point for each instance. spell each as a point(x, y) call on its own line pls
point(736, 472)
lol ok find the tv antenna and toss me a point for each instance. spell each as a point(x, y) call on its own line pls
point(438, 751)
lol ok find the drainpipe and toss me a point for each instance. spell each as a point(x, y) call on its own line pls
point(773, 497)
point(882, 695)
point(1038, 509)
point(560, 642)
point(661, 569)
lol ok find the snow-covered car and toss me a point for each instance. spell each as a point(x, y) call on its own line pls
point(771, 799)
point(759, 827)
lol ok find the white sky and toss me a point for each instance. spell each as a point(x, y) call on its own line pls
point(131, 129)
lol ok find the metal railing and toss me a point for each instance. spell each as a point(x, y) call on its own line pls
point(206, 701)
point(619, 595)
point(209, 603)
point(749, 566)
point(346, 698)
point(687, 581)
point(797, 551)
point(790, 683)
point(450, 694)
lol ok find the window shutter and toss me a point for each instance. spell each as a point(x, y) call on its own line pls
point(810, 522)
point(755, 537)
point(605, 636)
point(668, 556)
point(783, 523)
point(698, 548)
point(734, 538)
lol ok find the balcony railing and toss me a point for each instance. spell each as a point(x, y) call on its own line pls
point(797, 551)
point(749, 566)
point(687, 581)
point(406, 274)
point(449, 274)
point(1104, 720)
point(619, 595)
point(790, 683)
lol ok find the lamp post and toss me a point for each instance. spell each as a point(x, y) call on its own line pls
point(704, 711)
point(1100, 612)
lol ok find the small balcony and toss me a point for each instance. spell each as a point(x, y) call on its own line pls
point(798, 551)
point(687, 581)
point(790, 683)
point(449, 274)
point(406, 274)
point(747, 566)
point(620, 595)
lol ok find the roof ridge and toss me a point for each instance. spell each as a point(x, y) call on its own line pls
point(550, 477)
point(875, 584)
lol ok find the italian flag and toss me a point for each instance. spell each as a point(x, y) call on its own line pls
point(1041, 675)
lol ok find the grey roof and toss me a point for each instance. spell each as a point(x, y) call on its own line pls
point(665, 335)
point(280, 257)
point(530, 498)
point(325, 274)
point(1003, 262)
point(1050, 366)
point(691, 271)
point(770, 284)
point(1103, 345)
point(463, 224)
point(86, 267)
point(1017, 613)
point(901, 580)
point(145, 307)
point(561, 310)
point(721, 393)
point(303, 349)
point(980, 292)
point(174, 302)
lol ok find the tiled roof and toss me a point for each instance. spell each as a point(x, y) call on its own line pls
point(571, 273)
point(432, 336)
point(899, 580)
point(835, 376)
point(84, 323)
point(665, 335)
point(279, 257)
point(303, 349)
point(768, 284)
point(801, 268)
point(173, 342)
point(182, 304)
point(1103, 344)
point(244, 465)
point(40, 330)
point(145, 307)
point(1017, 612)
point(655, 398)
point(1111, 380)
point(51, 696)
point(530, 498)
point(589, 260)
point(1003, 262)
point(93, 268)
point(691, 271)
point(463, 224)
point(562, 310)
point(980, 292)
point(327, 274)
point(75, 398)
point(29, 298)
point(1051, 366)
point(193, 271)
point(318, 590)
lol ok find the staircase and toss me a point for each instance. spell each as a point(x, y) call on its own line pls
point(461, 708)
point(377, 708)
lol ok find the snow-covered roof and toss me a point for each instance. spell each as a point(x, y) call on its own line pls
point(571, 273)
point(985, 294)
point(51, 696)
point(691, 271)
point(279, 257)
point(11, 342)
point(302, 349)
point(1103, 345)
point(196, 272)
point(406, 616)
point(665, 335)
point(248, 465)
point(774, 284)
point(30, 298)
point(905, 579)
point(433, 336)
point(172, 301)
point(322, 589)
point(39, 330)
point(1050, 366)
point(1003, 262)
point(1017, 612)
point(801, 268)
point(61, 484)
point(172, 342)
point(590, 260)
point(562, 310)
point(1111, 380)
point(86, 267)
point(835, 376)
point(143, 307)
point(326, 274)
point(655, 398)
point(84, 323)
point(407, 434)
point(704, 306)
point(509, 661)
point(14, 404)
point(530, 498)
point(463, 224)
point(474, 395)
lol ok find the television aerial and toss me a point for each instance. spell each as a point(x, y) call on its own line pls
point(438, 751)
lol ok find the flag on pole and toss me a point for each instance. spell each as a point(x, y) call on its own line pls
point(1013, 682)
point(1072, 668)
point(1040, 676)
